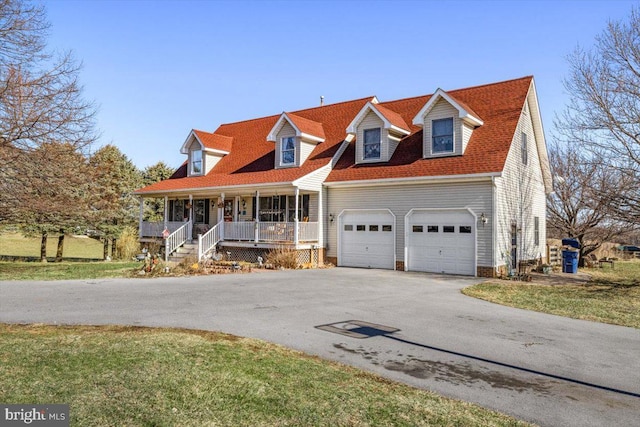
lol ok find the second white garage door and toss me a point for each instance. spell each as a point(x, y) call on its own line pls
point(367, 239)
point(441, 241)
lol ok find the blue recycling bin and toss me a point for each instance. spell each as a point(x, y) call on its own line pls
point(571, 241)
point(570, 261)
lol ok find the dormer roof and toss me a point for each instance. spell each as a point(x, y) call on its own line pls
point(390, 118)
point(210, 142)
point(465, 112)
point(306, 129)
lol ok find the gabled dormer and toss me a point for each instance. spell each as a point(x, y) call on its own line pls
point(204, 150)
point(378, 131)
point(447, 125)
point(295, 138)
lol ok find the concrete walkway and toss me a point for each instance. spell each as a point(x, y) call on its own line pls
point(545, 369)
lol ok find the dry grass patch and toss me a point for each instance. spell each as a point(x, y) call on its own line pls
point(136, 376)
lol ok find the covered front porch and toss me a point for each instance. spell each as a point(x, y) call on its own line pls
point(264, 218)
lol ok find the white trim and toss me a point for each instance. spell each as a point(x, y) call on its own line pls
point(415, 179)
point(309, 137)
point(184, 149)
point(407, 267)
point(340, 229)
point(418, 120)
point(273, 133)
point(215, 151)
point(538, 131)
point(352, 128)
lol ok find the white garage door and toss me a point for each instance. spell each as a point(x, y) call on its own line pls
point(441, 241)
point(367, 239)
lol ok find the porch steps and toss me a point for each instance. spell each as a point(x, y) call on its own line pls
point(188, 250)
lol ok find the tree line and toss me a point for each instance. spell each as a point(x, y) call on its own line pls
point(595, 152)
point(50, 181)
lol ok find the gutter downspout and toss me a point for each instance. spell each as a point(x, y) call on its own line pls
point(494, 223)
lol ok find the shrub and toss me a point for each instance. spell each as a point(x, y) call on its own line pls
point(127, 245)
point(283, 258)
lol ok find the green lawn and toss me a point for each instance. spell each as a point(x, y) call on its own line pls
point(14, 244)
point(115, 376)
point(612, 296)
point(65, 270)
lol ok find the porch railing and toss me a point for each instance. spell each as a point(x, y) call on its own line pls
point(208, 240)
point(155, 229)
point(307, 231)
point(239, 231)
point(276, 231)
point(177, 239)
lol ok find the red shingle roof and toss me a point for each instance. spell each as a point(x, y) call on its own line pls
point(307, 126)
point(392, 117)
point(499, 105)
point(251, 159)
point(214, 141)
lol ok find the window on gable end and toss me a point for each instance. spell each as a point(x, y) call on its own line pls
point(196, 162)
point(442, 136)
point(525, 152)
point(288, 150)
point(371, 143)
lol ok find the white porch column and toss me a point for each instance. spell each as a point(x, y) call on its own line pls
point(141, 216)
point(296, 220)
point(221, 216)
point(190, 228)
point(166, 212)
point(256, 225)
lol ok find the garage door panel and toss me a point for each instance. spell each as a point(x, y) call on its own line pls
point(367, 239)
point(441, 241)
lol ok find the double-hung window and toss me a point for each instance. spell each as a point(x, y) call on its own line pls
point(196, 162)
point(371, 143)
point(442, 136)
point(288, 150)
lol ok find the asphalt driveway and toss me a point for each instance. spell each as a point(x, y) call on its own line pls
point(410, 327)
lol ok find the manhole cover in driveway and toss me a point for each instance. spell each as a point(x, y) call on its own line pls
point(358, 329)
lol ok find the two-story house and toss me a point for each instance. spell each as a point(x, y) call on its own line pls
point(452, 182)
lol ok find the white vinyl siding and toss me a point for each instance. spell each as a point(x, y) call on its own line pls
point(442, 110)
point(400, 199)
point(520, 197)
point(467, 130)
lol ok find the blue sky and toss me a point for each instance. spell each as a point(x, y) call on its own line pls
point(158, 69)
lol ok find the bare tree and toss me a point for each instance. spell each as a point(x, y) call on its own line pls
point(580, 204)
point(40, 97)
point(603, 115)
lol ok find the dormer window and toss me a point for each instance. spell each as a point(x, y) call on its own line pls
point(288, 150)
point(295, 138)
point(377, 131)
point(372, 143)
point(196, 162)
point(442, 136)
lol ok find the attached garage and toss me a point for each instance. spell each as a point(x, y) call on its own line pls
point(441, 241)
point(366, 238)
